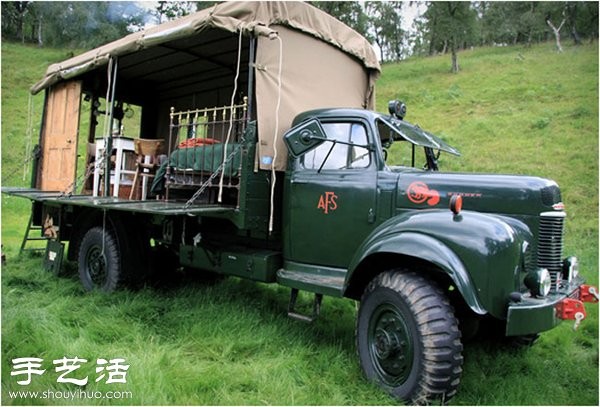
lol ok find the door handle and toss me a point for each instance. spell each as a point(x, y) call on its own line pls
point(371, 216)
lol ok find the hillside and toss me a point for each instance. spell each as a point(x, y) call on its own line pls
point(510, 110)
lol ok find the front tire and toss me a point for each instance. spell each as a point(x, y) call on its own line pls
point(99, 261)
point(408, 339)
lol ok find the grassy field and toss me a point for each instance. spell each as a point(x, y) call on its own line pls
point(510, 110)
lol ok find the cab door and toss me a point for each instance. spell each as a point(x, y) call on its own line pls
point(331, 197)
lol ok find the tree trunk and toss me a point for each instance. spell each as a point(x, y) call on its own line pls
point(433, 37)
point(556, 33)
point(39, 33)
point(380, 45)
point(455, 67)
point(20, 32)
point(576, 36)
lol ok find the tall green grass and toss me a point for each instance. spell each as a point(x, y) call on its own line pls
point(511, 110)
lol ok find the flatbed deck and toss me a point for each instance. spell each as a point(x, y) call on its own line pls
point(158, 207)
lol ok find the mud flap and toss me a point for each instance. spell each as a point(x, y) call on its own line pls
point(53, 257)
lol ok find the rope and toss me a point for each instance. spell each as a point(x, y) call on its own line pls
point(103, 230)
point(106, 154)
point(29, 135)
point(232, 104)
point(210, 179)
point(68, 192)
point(277, 108)
point(105, 129)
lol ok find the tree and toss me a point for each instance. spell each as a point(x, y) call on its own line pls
point(14, 14)
point(527, 22)
point(385, 22)
point(350, 13)
point(556, 31)
point(451, 25)
point(171, 10)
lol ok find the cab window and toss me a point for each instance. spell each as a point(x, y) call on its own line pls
point(333, 155)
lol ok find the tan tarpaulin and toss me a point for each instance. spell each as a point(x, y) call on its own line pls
point(252, 17)
point(314, 75)
point(325, 63)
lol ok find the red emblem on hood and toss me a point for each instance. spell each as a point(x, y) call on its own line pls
point(418, 192)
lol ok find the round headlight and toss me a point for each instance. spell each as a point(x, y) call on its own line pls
point(538, 282)
point(545, 282)
point(571, 268)
point(397, 108)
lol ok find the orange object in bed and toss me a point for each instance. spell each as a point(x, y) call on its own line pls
point(197, 142)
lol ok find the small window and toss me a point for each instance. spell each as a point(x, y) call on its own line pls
point(337, 156)
point(402, 153)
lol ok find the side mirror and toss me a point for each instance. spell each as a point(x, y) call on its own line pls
point(304, 137)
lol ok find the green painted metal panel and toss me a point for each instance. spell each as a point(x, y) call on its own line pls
point(260, 265)
point(317, 279)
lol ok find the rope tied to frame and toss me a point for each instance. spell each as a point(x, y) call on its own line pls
point(275, 134)
point(231, 110)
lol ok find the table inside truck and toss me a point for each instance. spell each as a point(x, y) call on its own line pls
point(121, 146)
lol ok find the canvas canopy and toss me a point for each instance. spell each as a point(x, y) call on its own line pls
point(304, 59)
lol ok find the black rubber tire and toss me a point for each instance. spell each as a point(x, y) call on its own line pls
point(407, 338)
point(99, 261)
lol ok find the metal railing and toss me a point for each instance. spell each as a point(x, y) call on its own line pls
point(201, 142)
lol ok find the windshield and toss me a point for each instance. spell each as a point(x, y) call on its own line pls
point(391, 129)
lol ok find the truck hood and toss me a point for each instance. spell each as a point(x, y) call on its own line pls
point(501, 194)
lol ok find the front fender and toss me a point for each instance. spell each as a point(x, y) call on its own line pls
point(481, 253)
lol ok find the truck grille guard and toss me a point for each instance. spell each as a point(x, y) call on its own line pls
point(550, 245)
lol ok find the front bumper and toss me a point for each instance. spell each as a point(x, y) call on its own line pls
point(534, 315)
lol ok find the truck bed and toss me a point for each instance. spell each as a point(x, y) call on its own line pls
point(151, 207)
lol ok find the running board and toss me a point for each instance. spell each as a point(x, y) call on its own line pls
point(301, 317)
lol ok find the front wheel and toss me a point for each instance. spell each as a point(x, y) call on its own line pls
point(408, 339)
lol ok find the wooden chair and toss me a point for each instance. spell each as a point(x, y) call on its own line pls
point(147, 163)
point(89, 169)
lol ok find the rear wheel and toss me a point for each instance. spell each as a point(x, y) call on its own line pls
point(99, 260)
point(408, 339)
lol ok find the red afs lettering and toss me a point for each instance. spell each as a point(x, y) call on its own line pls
point(327, 202)
point(418, 192)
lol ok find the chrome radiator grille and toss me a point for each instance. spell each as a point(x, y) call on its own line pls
point(550, 244)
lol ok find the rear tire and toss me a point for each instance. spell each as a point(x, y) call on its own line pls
point(99, 261)
point(408, 339)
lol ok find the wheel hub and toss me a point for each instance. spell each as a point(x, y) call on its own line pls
point(391, 346)
point(386, 343)
point(96, 265)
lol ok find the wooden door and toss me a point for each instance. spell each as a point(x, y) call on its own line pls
point(59, 137)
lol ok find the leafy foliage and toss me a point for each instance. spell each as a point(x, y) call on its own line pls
point(71, 24)
point(385, 20)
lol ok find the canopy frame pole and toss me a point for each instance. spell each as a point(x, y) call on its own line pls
point(251, 61)
point(110, 101)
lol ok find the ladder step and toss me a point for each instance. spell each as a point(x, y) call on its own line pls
point(301, 317)
point(28, 238)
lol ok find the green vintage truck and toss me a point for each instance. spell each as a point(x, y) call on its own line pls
point(287, 182)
